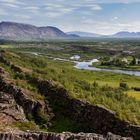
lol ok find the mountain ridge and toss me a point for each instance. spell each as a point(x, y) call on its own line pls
point(22, 31)
point(121, 34)
point(84, 34)
point(124, 34)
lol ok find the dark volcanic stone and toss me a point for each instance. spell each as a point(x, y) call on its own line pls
point(59, 136)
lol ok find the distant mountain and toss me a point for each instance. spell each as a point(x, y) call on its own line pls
point(84, 34)
point(126, 34)
point(123, 34)
point(19, 31)
point(50, 31)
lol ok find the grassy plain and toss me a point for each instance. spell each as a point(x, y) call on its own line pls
point(101, 88)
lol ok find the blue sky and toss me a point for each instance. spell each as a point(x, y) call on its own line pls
point(98, 16)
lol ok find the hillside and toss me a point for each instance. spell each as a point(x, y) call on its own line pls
point(27, 32)
point(44, 98)
point(19, 31)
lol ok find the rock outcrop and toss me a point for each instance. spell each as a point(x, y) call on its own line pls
point(89, 117)
point(15, 101)
point(1, 70)
point(59, 136)
point(15, 68)
point(10, 111)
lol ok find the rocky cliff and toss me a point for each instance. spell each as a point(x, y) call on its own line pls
point(17, 105)
point(89, 117)
point(60, 136)
point(10, 111)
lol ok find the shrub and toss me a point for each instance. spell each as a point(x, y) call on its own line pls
point(124, 85)
point(136, 88)
point(41, 118)
point(26, 125)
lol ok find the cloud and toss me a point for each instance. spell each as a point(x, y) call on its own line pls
point(106, 27)
point(10, 5)
point(57, 10)
point(87, 4)
point(3, 12)
point(116, 1)
point(22, 17)
point(53, 14)
point(96, 7)
point(101, 16)
point(57, 13)
point(115, 18)
point(61, 8)
point(86, 13)
point(12, 2)
point(32, 9)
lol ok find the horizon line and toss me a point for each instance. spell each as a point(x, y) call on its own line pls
point(102, 34)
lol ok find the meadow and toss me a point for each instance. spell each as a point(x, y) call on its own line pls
point(102, 88)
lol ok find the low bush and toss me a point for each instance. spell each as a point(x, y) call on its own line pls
point(24, 126)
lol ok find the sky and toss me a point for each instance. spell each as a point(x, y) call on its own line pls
point(97, 16)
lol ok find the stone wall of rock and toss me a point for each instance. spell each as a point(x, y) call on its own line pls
point(59, 136)
point(89, 117)
point(30, 106)
point(14, 101)
point(9, 111)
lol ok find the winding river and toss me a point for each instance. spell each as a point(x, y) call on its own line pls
point(87, 66)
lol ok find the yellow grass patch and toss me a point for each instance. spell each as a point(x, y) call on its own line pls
point(135, 94)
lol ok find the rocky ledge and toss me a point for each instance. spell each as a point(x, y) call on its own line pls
point(59, 136)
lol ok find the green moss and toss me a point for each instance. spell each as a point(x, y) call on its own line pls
point(26, 126)
point(63, 124)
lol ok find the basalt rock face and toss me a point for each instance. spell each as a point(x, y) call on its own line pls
point(31, 107)
point(90, 118)
point(59, 136)
point(16, 104)
point(10, 111)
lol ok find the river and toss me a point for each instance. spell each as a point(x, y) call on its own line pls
point(87, 66)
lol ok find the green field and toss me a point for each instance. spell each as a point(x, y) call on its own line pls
point(6, 46)
point(101, 88)
point(103, 78)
